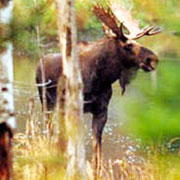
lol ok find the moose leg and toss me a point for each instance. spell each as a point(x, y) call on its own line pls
point(99, 121)
point(99, 111)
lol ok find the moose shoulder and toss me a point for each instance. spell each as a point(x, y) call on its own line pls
point(102, 62)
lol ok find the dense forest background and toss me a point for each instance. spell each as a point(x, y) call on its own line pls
point(42, 14)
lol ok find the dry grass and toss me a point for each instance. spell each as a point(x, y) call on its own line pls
point(36, 157)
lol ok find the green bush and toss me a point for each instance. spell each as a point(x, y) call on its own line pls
point(154, 113)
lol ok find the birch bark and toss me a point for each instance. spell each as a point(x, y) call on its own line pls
point(70, 101)
point(7, 120)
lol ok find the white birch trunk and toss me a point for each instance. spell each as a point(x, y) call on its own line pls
point(72, 103)
point(6, 86)
point(7, 120)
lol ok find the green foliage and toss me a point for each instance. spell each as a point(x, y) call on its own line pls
point(160, 11)
point(154, 113)
point(89, 27)
point(29, 16)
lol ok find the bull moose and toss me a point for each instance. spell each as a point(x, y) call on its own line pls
point(117, 56)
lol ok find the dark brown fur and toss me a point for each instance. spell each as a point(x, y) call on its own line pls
point(102, 63)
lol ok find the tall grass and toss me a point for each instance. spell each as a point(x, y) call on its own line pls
point(37, 158)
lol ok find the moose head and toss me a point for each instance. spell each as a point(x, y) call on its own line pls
point(133, 55)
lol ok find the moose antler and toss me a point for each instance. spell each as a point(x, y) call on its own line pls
point(116, 17)
point(132, 25)
point(110, 20)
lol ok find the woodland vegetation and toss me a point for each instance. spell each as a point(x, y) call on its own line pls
point(149, 109)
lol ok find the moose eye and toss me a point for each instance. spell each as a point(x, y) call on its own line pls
point(148, 61)
point(128, 47)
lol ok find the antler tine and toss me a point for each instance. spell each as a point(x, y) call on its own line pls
point(106, 17)
point(107, 31)
point(148, 31)
point(121, 33)
point(143, 32)
point(156, 30)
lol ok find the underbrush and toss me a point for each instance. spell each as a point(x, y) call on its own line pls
point(36, 157)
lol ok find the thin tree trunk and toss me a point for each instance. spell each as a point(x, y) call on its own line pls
point(46, 120)
point(70, 101)
point(7, 120)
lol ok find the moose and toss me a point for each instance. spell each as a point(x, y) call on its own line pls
point(117, 56)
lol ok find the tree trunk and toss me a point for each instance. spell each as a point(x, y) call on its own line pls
point(7, 120)
point(70, 101)
point(5, 151)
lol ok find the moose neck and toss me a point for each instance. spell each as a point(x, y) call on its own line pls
point(104, 56)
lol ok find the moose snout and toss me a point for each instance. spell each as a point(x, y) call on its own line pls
point(149, 63)
point(153, 62)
